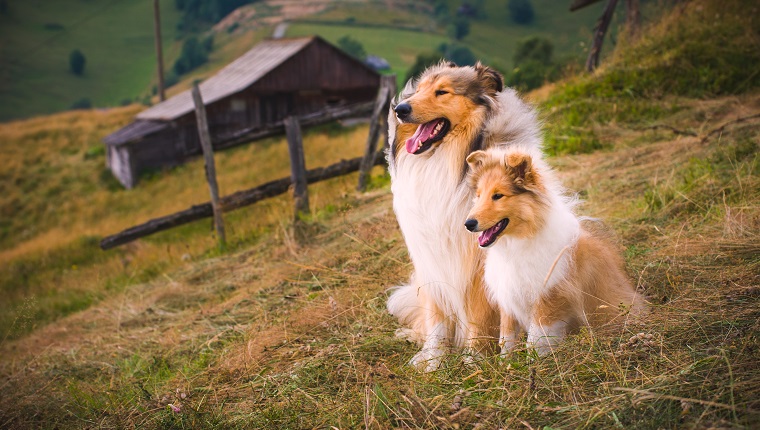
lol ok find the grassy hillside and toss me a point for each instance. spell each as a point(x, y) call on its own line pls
point(58, 198)
point(280, 334)
point(492, 38)
point(115, 36)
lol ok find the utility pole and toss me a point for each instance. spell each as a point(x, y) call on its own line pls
point(159, 52)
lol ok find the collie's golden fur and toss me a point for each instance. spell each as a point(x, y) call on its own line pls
point(434, 124)
point(547, 272)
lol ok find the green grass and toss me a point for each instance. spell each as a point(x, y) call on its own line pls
point(277, 333)
point(116, 37)
point(399, 47)
point(492, 39)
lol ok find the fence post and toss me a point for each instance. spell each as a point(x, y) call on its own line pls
point(297, 166)
point(380, 109)
point(208, 155)
point(391, 94)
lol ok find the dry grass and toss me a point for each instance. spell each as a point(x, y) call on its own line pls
point(281, 335)
point(58, 199)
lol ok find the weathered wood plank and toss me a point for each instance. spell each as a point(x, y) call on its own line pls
point(382, 101)
point(210, 167)
point(599, 31)
point(297, 167)
point(233, 201)
point(311, 120)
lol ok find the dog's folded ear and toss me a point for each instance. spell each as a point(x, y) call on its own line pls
point(489, 78)
point(476, 160)
point(519, 167)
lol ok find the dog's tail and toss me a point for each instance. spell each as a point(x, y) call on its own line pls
point(404, 304)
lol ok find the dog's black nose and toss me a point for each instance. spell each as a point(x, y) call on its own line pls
point(471, 224)
point(403, 110)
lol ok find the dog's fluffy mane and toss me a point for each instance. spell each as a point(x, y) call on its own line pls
point(510, 120)
point(431, 200)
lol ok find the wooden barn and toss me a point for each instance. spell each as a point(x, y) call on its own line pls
point(248, 98)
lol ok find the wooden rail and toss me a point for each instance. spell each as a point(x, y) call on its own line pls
point(233, 201)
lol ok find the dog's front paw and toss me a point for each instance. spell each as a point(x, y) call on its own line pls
point(428, 359)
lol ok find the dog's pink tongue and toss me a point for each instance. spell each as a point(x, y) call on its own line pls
point(487, 235)
point(423, 133)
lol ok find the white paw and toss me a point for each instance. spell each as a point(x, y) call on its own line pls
point(470, 356)
point(405, 334)
point(428, 359)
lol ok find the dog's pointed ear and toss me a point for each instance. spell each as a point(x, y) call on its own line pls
point(489, 78)
point(476, 160)
point(519, 167)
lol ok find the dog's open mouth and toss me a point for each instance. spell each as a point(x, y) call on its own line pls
point(426, 135)
point(489, 236)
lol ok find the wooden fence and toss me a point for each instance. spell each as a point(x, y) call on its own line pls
point(298, 180)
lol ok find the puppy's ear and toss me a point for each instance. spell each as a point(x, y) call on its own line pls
point(490, 79)
point(476, 160)
point(519, 167)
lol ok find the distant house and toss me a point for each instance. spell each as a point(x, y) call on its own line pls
point(377, 63)
point(275, 79)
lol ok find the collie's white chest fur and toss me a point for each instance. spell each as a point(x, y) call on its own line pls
point(516, 269)
point(431, 202)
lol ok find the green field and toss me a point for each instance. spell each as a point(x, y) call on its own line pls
point(116, 37)
point(287, 328)
point(399, 47)
point(493, 39)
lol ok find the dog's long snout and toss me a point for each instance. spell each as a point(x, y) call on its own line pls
point(403, 110)
point(471, 224)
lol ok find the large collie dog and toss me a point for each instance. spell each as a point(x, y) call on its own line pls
point(547, 273)
point(435, 123)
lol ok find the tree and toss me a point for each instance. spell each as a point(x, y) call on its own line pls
point(77, 62)
point(352, 47)
point(535, 48)
point(521, 11)
point(422, 62)
point(459, 54)
point(533, 64)
point(459, 28)
point(193, 55)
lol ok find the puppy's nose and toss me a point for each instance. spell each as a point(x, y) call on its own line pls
point(403, 110)
point(471, 224)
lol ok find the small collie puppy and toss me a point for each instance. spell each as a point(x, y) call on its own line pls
point(547, 273)
point(434, 124)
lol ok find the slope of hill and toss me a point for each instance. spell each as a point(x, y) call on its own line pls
point(117, 41)
point(493, 37)
point(277, 334)
point(115, 36)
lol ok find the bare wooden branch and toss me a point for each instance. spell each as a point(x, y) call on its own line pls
point(666, 127)
point(723, 127)
point(599, 31)
point(580, 4)
point(231, 202)
point(382, 101)
point(208, 155)
point(297, 167)
point(632, 17)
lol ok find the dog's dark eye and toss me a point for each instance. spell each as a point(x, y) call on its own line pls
point(497, 196)
point(440, 92)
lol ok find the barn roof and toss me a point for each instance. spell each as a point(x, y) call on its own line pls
point(134, 131)
point(235, 77)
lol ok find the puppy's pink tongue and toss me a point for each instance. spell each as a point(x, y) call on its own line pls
point(486, 236)
point(423, 133)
